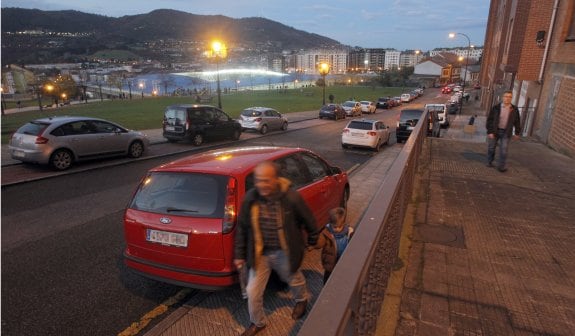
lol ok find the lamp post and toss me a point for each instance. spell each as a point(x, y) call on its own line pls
point(218, 51)
point(141, 86)
point(323, 71)
point(452, 35)
point(366, 63)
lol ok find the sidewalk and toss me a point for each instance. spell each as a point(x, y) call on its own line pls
point(491, 253)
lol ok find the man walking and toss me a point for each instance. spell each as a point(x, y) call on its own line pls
point(502, 121)
point(269, 237)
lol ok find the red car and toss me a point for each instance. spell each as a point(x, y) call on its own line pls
point(180, 224)
point(446, 89)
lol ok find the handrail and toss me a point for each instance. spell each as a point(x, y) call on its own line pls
point(351, 300)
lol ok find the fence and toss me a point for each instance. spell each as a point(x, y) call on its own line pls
point(351, 301)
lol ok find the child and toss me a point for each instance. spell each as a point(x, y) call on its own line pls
point(333, 240)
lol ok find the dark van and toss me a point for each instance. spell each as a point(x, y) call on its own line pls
point(198, 123)
point(408, 118)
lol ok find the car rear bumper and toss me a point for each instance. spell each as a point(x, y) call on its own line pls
point(359, 141)
point(26, 155)
point(180, 276)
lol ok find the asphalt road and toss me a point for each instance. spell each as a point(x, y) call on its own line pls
point(62, 242)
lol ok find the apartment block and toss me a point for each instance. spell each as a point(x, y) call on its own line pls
point(530, 49)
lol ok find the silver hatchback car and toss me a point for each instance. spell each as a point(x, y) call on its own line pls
point(262, 119)
point(60, 141)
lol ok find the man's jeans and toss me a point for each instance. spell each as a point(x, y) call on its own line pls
point(503, 140)
point(258, 279)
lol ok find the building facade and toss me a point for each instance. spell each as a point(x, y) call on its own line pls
point(530, 49)
point(307, 62)
point(391, 59)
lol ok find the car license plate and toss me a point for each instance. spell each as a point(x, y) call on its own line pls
point(18, 153)
point(356, 134)
point(167, 238)
point(170, 128)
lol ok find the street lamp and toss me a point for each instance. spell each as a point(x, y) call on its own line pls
point(452, 35)
point(366, 62)
point(218, 51)
point(141, 86)
point(323, 71)
point(49, 88)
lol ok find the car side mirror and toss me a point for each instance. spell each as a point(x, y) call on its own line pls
point(336, 170)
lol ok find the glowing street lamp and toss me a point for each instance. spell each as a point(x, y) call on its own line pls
point(141, 86)
point(366, 63)
point(452, 35)
point(323, 71)
point(218, 51)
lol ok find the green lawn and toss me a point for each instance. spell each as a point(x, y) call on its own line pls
point(142, 114)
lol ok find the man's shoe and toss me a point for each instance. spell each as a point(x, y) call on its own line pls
point(502, 169)
point(299, 310)
point(252, 330)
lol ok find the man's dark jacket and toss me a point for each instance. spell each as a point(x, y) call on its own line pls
point(514, 121)
point(295, 215)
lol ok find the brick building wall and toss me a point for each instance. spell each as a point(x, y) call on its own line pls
point(554, 122)
point(562, 134)
point(539, 16)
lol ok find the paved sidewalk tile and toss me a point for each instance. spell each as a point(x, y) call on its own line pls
point(492, 253)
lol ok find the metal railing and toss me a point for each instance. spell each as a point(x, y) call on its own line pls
point(351, 301)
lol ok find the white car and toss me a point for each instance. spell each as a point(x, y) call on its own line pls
point(352, 108)
point(262, 119)
point(406, 98)
point(442, 114)
point(365, 133)
point(367, 106)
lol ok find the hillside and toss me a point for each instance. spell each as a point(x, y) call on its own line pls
point(71, 35)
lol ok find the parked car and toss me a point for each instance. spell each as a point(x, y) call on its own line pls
point(367, 106)
point(198, 123)
point(332, 111)
point(384, 102)
point(442, 114)
point(352, 108)
point(365, 133)
point(406, 97)
point(62, 141)
point(180, 225)
point(446, 89)
point(453, 108)
point(262, 119)
point(397, 101)
point(408, 118)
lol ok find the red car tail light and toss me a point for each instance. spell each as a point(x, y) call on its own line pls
point(258, 119)
point(230, 209)
point(371, 133)
point(41, 140)
point(346, 130)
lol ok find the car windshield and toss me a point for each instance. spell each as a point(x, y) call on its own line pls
point(349, 104)
point(328, 108)
point(365, 102)
point(251, 113)
point(410, 115)
point(362, 125)
point(182, 194)
point(32, 128)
